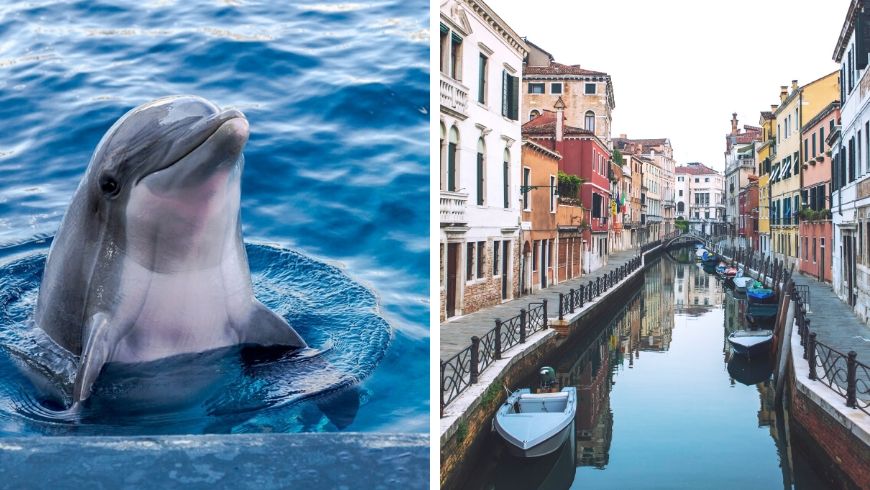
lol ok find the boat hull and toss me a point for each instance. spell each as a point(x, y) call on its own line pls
point(743, 346)
point(547, 447)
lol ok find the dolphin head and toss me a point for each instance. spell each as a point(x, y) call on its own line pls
point(165, 180)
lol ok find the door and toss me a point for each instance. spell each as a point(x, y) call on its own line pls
point(848, 243)
point(544, 253)
point(505, 250)
point(452, 273)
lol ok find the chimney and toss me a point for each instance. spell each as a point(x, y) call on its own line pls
point(783, 93)
point(733, 123)
point(773, 107)
point(559, 106)
point(794, 85)
point(623, 136)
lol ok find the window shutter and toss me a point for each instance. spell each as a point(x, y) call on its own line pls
point(862, 40)
point(515, 98)
point(504, 93)
point(480, 179)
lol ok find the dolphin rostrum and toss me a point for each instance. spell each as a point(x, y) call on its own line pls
point(149, 260)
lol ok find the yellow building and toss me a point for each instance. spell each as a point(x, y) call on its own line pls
point(796, 108)
point(765, 151)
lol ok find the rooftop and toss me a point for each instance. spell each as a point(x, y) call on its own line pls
point(695, 168)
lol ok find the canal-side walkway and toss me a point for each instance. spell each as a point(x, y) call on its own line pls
point(456, 333)
point(834, 323)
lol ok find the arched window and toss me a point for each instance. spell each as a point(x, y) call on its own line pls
point(535, 113)
point(481, 169)
point(443, 153)
point(452, 159)
point(506, 178)
point(590, 121)
point(681, 207)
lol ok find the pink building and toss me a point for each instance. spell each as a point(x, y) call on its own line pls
point(815, 232)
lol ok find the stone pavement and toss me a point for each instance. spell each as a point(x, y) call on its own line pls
point(456, 333)
point(834, 323)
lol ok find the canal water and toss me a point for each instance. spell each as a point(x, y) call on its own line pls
point(662, 403)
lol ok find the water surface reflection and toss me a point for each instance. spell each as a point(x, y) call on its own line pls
point(662, 403)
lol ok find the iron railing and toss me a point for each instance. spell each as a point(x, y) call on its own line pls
point(577, 298)
point(463, 369)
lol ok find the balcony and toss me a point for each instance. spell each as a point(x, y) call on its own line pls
point(453, 208)
point(454, 97)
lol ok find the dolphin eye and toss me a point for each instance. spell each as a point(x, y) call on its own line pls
point(109, 186)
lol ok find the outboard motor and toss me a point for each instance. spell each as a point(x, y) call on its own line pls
point(548, 378)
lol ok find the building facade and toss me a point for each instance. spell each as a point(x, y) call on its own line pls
point(815, 230)
point(538, 268)
point(587, 94)
point(480, 64)
point(700, 194)
point(739, 165)
point(765, 151)
point(851, 166)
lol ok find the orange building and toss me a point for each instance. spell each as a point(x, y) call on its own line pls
point(538, 234)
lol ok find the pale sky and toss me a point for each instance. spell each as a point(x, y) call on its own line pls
point(680, 68)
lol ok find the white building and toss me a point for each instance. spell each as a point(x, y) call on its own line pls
point(700, 198)
point(851, 166)
point(481, 65)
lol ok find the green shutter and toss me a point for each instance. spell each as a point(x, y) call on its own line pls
point(515, 98)
point(504, 93)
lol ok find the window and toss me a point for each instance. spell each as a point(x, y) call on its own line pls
point(452, 159)
point(455, 57)
point(596, 205)
point(481, 253)
point(469, 261)
point(697, 180)
point(535, 113)
point(552, 194)
point(527, 173)
point(867, 148)
point(680, 193)
point(496, 264)
point(589, 89)
point(556, 88)
point(481, 166)
point(806, 149)
point(590, 121)
point(814, 250)
point(536, 88)
point(858, 151)
point(506, 177)
point(706, 179)
point(510, 93)
point(481, 80)
point(822, 139)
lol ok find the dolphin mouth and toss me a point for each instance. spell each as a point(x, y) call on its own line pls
point(198, 134)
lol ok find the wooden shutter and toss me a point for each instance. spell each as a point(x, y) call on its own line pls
point(515, 98)
point(480, 179)
point(862, 39)
point(505, 83)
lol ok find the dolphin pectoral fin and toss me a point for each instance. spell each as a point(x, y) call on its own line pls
point(266, 328)
point(94, 355)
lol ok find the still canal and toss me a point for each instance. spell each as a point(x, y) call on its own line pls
point(662, 403)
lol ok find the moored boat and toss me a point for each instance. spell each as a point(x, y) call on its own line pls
point(750, 342)
point(761, 295)
point(741, 283)
point(759, 313)
point(536, 424)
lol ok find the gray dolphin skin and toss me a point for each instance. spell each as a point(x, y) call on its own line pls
point(149, 260)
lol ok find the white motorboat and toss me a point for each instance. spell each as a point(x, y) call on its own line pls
point(536, 424)
point(742, 283)
point(751, 342)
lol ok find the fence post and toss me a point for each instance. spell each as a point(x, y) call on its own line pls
point(562, 305)
point(522, 326)
point(497, 354)
point(591, 289)
point(851, 379)
point(811, 355)
point(582, 295)
point(598, 286)
point(545, 313)
point(805, 337)
point(571, 300)
point(475, 356)
point(442, 389)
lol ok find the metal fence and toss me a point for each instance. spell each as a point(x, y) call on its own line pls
point(841, 372)
point(463, 369)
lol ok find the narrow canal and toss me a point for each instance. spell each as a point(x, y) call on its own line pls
point(662, 403)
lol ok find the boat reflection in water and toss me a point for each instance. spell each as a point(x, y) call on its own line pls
point(679, 392)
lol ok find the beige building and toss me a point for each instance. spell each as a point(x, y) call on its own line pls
point(658, 183)
point(588, 94)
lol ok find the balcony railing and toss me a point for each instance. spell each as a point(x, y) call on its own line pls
point(453, 208)
point(454, 96)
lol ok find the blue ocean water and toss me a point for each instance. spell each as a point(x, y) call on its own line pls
point(336, 170)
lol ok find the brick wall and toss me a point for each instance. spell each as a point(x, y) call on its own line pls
point(850, 454)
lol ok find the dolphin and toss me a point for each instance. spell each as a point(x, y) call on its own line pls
point(149, 261)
